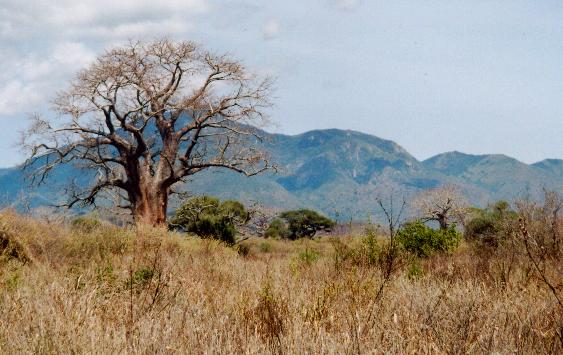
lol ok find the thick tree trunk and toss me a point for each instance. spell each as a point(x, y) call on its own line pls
point(150, 206)
point(443, 222)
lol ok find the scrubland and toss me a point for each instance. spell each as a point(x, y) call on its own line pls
point(97, 288)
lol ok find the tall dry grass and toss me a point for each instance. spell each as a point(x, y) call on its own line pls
point(103, 289)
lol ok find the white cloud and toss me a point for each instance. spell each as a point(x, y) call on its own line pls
point(45, 42)
point(72, 55)
point(27, 18)
point(346, 4)
point(271, 29)
point(15, 95)
point(30, 78)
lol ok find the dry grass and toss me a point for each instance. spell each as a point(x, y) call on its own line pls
point(112, 290)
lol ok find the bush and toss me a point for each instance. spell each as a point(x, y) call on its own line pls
point(370, 246)
point(423, 241)
point(277, 229)
point(234, 211)
point(489, 226)
point(305, 223)
point(415, 272)
point(265, 247)
point(308, 256)
point(208, 217)
point(140, 277)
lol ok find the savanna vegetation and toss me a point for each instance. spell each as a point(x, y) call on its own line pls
point(87, 286)
point(219, 277)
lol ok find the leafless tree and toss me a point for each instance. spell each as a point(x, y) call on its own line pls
point(444, 205)
point(145, 116)
point(540, 227)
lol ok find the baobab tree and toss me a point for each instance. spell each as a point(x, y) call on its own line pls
point(444, 205)
point(145, 116)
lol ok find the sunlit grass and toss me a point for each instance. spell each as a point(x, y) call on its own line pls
point(145, 290)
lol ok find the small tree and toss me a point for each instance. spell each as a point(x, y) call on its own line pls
point(208, 217)
point(444, 205)
point(305, 223)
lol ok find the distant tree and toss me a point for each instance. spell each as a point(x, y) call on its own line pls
point(305, 223)
point(146, 116)
point(235, 212)
point(445, 205)
point(208, 217)
point(277, 229)
point(195, 207)
point(490, 225)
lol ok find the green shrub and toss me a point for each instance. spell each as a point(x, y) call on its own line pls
point(140, 277)
point(490, 225)
point(216, 227)
point(308, 256)
point(415, 272)
point(234, 211)
point(194, 209)
point(421, 240)
point(277, 230)
point(12, 281)
point(370, 245)
point(265, 247)
point(208, 217)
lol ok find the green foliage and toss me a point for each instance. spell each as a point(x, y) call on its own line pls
point(208, 217)
point(371, 247)
point(141, 277)
point(12, 281)
point(421, 240)
point(234, 211)
point(217, 227)
point(415, 272)
point(277, 230)
point(106, 274)
point(308, 256)
point(265, 247)
point(490, 225)
point(194, 209)
point(305, 223)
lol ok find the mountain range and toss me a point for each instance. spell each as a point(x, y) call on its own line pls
point(338, 172)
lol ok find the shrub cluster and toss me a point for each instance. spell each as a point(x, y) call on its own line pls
point(490, 225)
point(208, 217)
point(421, 240)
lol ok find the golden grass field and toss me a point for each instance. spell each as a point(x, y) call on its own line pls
point(110, 290)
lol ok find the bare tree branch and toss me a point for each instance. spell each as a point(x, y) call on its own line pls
point(147, 115)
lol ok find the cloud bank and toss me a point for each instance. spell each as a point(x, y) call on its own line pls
point(45, 42)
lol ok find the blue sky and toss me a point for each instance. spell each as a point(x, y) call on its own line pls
point(478, 76)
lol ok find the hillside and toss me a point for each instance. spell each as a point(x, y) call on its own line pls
point(338, 172)
point(502, 176)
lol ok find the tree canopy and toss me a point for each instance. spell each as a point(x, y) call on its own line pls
point(302, 223)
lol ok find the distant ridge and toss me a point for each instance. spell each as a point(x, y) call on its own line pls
point(340, 172)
